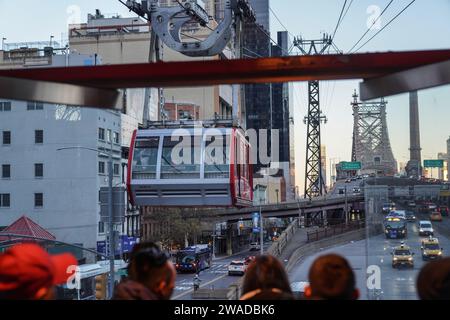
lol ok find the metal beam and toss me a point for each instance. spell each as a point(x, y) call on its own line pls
point(59, 93)
point(428, 76)
point(241, 71)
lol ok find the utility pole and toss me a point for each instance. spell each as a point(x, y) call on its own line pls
point(112, 246)
point(314, 183)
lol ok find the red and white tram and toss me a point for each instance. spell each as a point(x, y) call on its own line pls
point(190, 167)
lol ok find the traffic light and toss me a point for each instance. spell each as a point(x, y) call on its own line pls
point(100, 287)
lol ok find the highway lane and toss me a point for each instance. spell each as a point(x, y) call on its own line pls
point(396, 284)
point(215, 277)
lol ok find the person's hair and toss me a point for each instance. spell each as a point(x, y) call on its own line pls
point(150, 264)
point(331, 277)
point(433, 282)
point(265, 273)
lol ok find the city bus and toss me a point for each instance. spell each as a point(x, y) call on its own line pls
point(193, 259)
point(395, 228)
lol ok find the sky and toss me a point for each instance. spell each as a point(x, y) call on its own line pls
point(424, 25)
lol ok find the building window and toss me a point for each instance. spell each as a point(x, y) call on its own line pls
point(116, 169)
point(31, 105)
point(38, 170)
point(39, 136)
point(5, 200)
point(6, 137)
point(108, 136)
point(101, 167)
point(116, 138)
point(38, 200)
point(5, 106)
point(6, 171)
point(101, 134)
point(101, 227)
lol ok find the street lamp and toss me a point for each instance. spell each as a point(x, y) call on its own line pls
point(110, 210)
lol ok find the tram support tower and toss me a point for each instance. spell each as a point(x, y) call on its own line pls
point(314, 182)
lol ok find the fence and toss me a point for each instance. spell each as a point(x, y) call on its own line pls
point(334, 230)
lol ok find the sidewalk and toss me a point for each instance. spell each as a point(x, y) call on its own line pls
point(297, 240)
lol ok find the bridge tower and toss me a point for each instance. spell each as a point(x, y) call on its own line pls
point(371, 145)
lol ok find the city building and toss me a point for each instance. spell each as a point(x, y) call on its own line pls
point(443, 172)
point(323, 162)
point(260, 7)
point(58, 189)
point(181, 111)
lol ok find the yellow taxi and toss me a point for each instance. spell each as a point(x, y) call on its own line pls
point(402, 256)
point(431, 249)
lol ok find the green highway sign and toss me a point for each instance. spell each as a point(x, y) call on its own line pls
point(350, 166)
point(433, 163)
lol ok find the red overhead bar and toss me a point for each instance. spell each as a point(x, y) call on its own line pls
point(213, 72)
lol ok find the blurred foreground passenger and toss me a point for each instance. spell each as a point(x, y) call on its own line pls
point(28, 272)
point(151, 275)
point(433, 282)
point(331, 278)
point(266, 279)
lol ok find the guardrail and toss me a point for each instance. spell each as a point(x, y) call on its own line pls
point(334, 230)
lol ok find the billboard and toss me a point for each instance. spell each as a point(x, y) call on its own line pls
point(255, 219)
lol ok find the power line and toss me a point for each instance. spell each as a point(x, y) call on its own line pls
point(403, 10)
point(375, 21)
point(268, 36)
point(279, 21)
point(252, 52)
point(339, 20)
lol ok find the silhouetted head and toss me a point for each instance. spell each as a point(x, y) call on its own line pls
point(266, 273)
point(331, 278)
point(433, 282)
point(151, 266)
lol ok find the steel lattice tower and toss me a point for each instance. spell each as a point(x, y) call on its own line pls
point(314, 183)
point(371, 144)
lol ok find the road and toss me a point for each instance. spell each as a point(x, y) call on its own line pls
point(215, 277)
point(396, 284)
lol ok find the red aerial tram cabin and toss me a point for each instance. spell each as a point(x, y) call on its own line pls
point(194, 167)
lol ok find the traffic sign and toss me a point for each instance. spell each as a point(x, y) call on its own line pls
point(350, 166)
point(433, 163)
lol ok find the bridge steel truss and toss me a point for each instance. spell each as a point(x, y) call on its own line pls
point(371, 144)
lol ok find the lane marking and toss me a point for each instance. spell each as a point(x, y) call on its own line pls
point(207, 283)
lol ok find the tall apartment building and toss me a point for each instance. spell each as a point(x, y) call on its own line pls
point(260, 7)
point(58, 189)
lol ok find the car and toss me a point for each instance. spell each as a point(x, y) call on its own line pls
point(255, 246)
point(402, 256)
point(356, 190)
point(397, 214)
point(435, 216)
point(388, 207)
point(410, 216)
point(341, 191)
point(365, 176)
point(359, 177)
point(249, 260)
point(431, 249)
point(372, 175)
point(348, 180)
point(426, 228)
point(237, 267)
point(432, 206)
point(353, 178)
point(443, 210)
